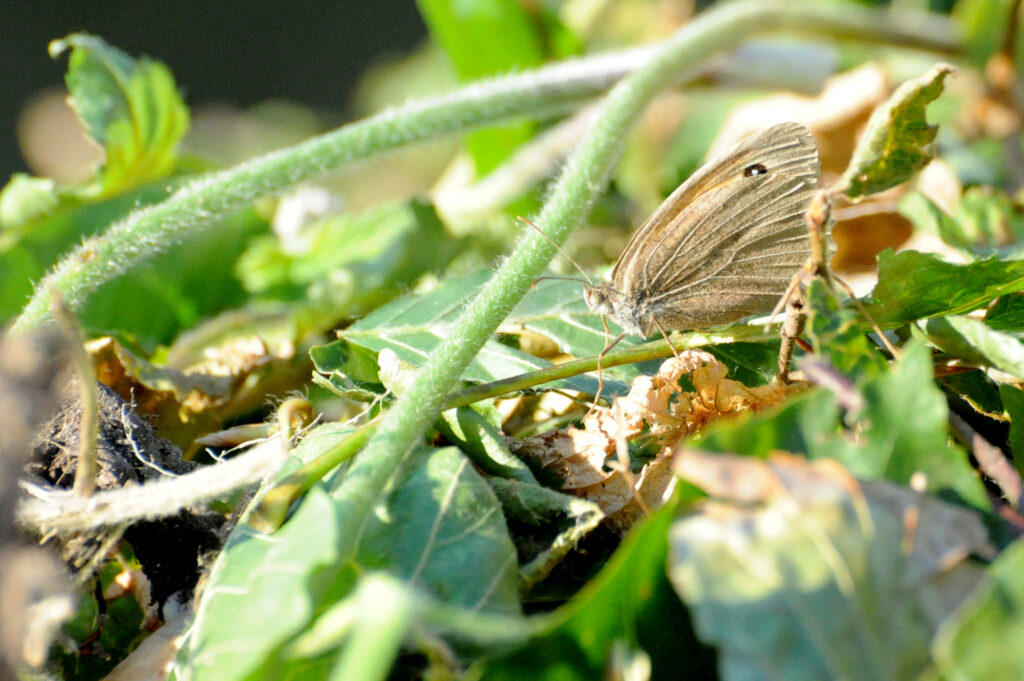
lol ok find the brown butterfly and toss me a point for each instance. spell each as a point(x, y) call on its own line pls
point(724, 245)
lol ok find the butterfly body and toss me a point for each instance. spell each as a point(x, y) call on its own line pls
point(724, 245)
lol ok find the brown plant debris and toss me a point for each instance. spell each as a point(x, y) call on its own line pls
point(185, 403)
point(128, 452)
point(657, 413)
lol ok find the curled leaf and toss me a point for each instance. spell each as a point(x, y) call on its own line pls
point(132, 108)
point(195, 399)
point(897, 141)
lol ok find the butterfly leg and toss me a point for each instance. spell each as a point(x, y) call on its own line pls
point(608, 345)
point(664, 335)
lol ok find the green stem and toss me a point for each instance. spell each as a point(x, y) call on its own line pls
point(637, 353)
point(581, 181)
point(541, 93)
point(272, 509)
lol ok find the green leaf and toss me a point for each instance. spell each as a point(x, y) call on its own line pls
point(483, 443)
point(439, 529)
point(630, 604)
point(914, 285)
point(897, 141)
point(177, 289)
point(976, 342)
point(413, 326)
point(261, 592)
point(346, 265)
point(485, 38)
point(795, 571)
point(970, 644)
point(556, 309)
point(132, 108)
point(355, 363)
point(181, 285)
point(898, 447)
point(28, 249)
point(977, 388)
point(1007, 315)
point(549, 511)
point(837, 333)
point(888, 444)
point(929, 218)
point(373, 623)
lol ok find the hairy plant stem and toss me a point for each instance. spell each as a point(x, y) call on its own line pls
point(581, 181)
point(541, 93)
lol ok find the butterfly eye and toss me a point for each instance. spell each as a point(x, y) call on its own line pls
point(754, 170)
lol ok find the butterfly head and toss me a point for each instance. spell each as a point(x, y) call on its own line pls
point(606, 301)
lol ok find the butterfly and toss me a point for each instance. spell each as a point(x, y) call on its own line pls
point(724, 245)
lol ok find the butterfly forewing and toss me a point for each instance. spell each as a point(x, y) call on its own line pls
point(727, 242)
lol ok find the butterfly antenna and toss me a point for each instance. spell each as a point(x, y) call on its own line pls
point(557, 278)
point(560, 250)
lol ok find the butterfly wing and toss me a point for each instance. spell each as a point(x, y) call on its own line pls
point(727, 242)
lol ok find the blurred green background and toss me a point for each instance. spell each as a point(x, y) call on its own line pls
point(310, 52)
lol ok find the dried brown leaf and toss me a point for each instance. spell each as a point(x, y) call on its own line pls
point(184, 403)
point(656, 409)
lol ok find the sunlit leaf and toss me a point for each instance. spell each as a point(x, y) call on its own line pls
point(262, 590)
point(483, 443)
point(131, 107)
point(914, 285)
point(25, 198)
point(356, 262)
point(897, 141)
point(415, 325)
point(796, 571)
point(976, 342)
point(557, 310)
point(441, 529)
point(1007, 315)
